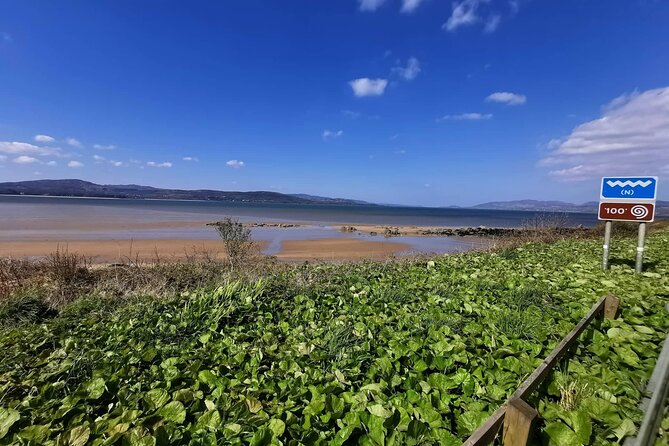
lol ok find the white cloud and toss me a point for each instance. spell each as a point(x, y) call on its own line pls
point(410, 71)
point(44, 138)
point(329, 135)
point(103, 147)
point(365, 86)
point(235, 164)
point(504, 97)
point(400, 152)
point(24, 159)
point(51, 163)
point(116, 163)
point(98, 158)
point(24, 148)
point(351, 114)
point(190, 158)
point(630, 138)
point(73, 142)
point(466, 117)
point(410, 5)
point(492, 23)
point(155, 164)
point(75, 164)
point(3, 158)
point(370, 5)
point(464, 13)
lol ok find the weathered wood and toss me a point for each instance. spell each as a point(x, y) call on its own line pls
point(535, 379)
point(611, 306)
point(487, 432)
point(518, 422)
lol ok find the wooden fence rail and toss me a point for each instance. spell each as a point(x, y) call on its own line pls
point(516, 415)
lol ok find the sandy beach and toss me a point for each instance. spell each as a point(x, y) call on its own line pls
point(112, 251)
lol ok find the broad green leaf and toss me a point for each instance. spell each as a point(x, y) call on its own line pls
point(262, 437)
point(379, 411)
point(276, 426)
point(78, 436)
point(210, 420)
point(95, 388)
point(625, 429)
point(156, 398)
point(7, 418)
point(37, 433)
point(562, 435)
point(174, 412)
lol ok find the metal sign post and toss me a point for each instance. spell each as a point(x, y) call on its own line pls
point(607, 244)
point(639, 249)
point(627, 199)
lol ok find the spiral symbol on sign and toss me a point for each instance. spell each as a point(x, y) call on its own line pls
point(639, 211)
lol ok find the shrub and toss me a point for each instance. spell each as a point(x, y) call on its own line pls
point(237, 239)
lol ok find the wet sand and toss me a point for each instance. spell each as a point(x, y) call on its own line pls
point(339, 249)
point(111, 251)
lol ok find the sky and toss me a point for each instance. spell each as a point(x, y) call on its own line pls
point(415, 102)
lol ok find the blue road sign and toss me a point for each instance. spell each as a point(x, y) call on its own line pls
point(629, 188)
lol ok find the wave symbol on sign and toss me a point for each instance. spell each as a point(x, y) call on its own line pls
point(639, 211)
point(629, 183)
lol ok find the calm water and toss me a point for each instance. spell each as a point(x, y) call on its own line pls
point(31, 218)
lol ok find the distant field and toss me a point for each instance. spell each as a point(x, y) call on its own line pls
point(406, 352)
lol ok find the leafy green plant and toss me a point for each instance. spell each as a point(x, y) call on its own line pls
point(406, 352)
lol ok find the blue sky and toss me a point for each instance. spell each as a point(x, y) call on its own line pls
point(423, 102)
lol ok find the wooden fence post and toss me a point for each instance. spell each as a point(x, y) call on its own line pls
point(611, 306)
point(518, 423)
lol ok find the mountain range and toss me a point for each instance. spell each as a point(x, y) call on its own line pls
point(80, 188)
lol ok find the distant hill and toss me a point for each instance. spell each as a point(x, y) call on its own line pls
point(662, 207)
point(80, 188)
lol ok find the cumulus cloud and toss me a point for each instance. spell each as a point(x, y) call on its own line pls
point(75, 164)
point(103, 147)
point(73, 142)
point(24, 159)
point(468, 12)
point(98, 158)
point(24, 148)
point(370, 5)
point(44, 138)
point(466, 117)
point(235, 164)
point(155, 164)
point(190, 158)
point(504, 97)
point(365, 86)
point(410, 5)
point(464, 13)
point(329, 135)
point(117, 163)
point(409, 72)
point(630, 138)
point(52, 163)
point(492, 23)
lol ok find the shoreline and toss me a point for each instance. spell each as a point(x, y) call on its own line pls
point(155, 250)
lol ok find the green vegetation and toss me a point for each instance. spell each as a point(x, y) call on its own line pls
point(406, 352)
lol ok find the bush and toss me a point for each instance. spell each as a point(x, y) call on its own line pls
point(26, 309)
point(237, 239)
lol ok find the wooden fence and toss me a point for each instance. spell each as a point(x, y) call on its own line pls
point(516, 416)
